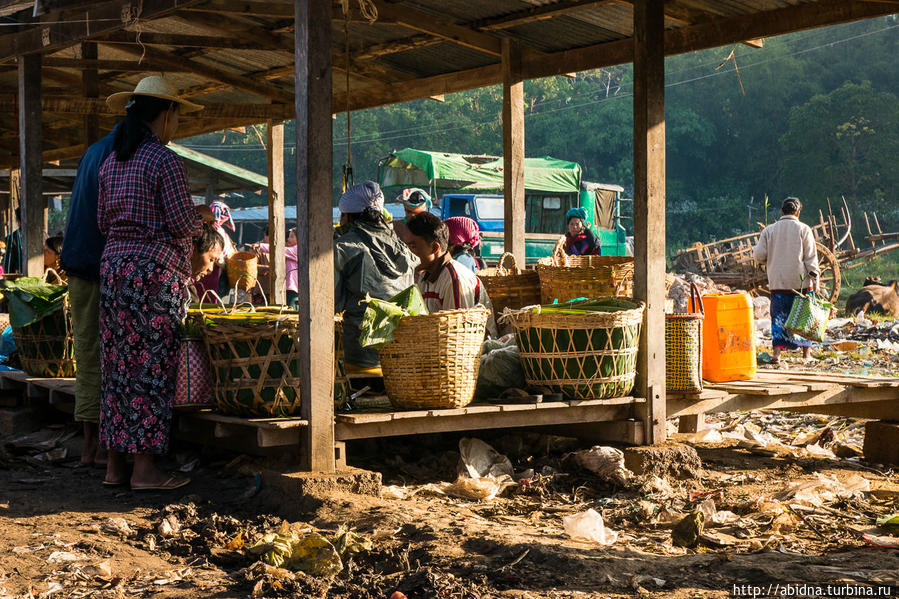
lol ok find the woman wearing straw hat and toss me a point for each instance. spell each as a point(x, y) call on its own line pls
point(146, 213)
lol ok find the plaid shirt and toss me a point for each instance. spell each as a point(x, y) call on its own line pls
point(145, 209)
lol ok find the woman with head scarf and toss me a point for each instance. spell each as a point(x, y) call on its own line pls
point(579, 239)
point(368, 259)
point(221, 218)
point(464, 241)
point(146, 213)
point(414, 201)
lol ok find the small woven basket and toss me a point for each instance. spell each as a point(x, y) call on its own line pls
point(242, 270)
point(510, 287)
point(683, 347)
point(254, 361)
point(47, 347)
point(588, 355)
point(564, 277)
point(433, 361)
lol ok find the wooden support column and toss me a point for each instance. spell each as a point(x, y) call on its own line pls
point(513, 149)
point(90, 84)
point(277, 266)
point(649, 207)
point(315, 258)
point(31, 164)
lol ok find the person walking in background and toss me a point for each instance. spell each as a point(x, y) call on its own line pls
point(464, 240)
point(787, 249)
point(80, 259)
point(146, 213)
point(290, 269)
point(579, 239)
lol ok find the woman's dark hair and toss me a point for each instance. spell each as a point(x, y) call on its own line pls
point(132, 131)
point(208, 239)
point(461, 249)
point(430, 228)
point(54, 243)
point(369, 216)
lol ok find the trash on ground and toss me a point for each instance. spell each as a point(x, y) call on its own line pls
point(589, 526)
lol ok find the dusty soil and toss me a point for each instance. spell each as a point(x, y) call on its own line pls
point(58, 540)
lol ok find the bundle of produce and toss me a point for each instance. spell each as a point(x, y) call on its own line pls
point(584, 350)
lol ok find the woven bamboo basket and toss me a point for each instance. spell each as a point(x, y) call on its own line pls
point(585, 355)
point(510, 287)
point(433, 361)
point(4, 321)
point(683, 347)
point(254, 361)
point(565, 278)
point(47, 347)
point(242, 269)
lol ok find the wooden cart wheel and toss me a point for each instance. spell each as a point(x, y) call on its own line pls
point(829, 273)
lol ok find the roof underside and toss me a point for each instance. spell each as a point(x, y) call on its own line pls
point(236, 56)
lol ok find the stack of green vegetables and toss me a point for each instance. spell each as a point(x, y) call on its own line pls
point(383, 316)
point(584, 350)
point(41, 330)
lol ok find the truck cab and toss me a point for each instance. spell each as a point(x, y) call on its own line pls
point(544, 219)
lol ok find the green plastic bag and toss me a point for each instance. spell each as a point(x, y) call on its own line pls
point(808, 317)
point(383, 316)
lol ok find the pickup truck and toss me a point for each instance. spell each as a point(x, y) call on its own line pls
point(544, 219)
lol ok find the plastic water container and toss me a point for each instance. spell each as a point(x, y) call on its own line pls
point(728, 337)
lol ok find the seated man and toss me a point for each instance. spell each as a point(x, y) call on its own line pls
point(368, 259)
point(444, 283)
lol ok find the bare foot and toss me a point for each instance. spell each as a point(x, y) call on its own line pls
point(89, 446)
point(116, 469)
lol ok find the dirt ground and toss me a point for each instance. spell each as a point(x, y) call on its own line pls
point(64, 535)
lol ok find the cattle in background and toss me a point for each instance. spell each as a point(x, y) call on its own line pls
point(875, 297)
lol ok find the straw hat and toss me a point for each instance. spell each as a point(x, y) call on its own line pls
point(155, 86)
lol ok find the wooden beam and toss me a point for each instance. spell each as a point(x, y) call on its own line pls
point(277, 265)
point(79, 25)
point(234, 27)
point(312, 34)
point(84, 64)
point(513, 150)
point(649, 208)
point(31, 164)
point(395, 47)
point(460, 34)
point(90, 87)
point(214, 74)
point(254, 112)
point(537, 13)
point(179, 40)
point(246, 8)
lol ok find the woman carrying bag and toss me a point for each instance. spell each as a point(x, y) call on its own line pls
point(149, 221)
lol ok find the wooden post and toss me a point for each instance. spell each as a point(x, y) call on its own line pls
point(312, 64)
point(649, 207)
point(277, 267)
point(31, 164)
point(90, 83)
point(513, 150)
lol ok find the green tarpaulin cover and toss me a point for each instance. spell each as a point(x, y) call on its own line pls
point(419, 168)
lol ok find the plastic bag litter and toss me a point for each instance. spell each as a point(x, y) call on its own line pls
point(824, 489)
point(479, 459)
point(881, 541)
point(312, 554)
point(712, 515)
point(479, 489)
point(501, 367)
point(61, 557)
point(605, 462)
point(117, 526)
point(816, 451)
point(588, 526)
point(706, 435)
point(761, 307)
point(889, 523)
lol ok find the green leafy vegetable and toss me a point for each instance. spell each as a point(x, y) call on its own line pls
point(31, 299)
point(383, 316)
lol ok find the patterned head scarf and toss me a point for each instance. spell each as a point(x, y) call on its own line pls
point(463, 230)
point(414, 197)
point(222, 215)
point(361, 196)
point(576, 213)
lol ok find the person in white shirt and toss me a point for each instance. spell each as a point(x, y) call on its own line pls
point(444, 283)
point(787, 248)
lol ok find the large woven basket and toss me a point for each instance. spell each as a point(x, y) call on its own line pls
point(510, 287)
point(565, 278)
point(433, 361)
point(47, 347)
point(583, 355)
point(254, 361)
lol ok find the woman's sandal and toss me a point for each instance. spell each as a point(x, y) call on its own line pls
point(171, 484)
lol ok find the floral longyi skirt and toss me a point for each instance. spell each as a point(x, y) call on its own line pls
point(141, 308)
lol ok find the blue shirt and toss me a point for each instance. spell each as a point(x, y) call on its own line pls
point(83, 243)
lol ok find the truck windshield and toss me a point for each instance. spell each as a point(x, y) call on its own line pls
point(489, 208)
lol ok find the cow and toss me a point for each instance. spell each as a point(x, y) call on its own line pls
point(876, 297)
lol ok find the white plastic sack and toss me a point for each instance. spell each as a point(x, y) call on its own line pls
point(588, 526)
point(605, 462)
point(479, 459)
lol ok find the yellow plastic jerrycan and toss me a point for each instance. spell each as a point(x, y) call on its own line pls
point(728, 337)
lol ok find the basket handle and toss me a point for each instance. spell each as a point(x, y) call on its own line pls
point(696, 298)
point(560, 258)
point(52, 271)
point(512, 269)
